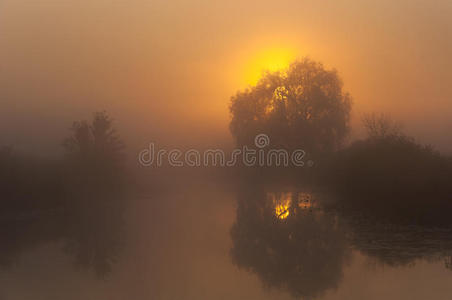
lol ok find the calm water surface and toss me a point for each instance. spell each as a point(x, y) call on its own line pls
point(206, 241)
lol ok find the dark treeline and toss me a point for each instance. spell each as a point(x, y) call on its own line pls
point(393, 176)
point(91, 170)
point(77, 200)
point(28, 183)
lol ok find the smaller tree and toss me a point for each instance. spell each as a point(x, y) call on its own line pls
point(98, 140)
point(381, 126)
point(95, 158)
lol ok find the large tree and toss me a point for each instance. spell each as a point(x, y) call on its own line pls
point(301, 107)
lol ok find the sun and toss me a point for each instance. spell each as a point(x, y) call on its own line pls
point(268, 60)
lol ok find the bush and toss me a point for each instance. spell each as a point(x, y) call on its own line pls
point(395, 176)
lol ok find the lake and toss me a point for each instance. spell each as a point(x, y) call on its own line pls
point(205, 240)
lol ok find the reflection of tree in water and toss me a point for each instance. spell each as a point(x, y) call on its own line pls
point(292, 243)
point(94, 238)
point(399, 244)
point(286, 243)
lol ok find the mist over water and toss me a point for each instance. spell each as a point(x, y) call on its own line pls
point(206, 240)
point(360, 90)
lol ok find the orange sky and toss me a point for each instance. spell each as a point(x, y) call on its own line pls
point(166, 70)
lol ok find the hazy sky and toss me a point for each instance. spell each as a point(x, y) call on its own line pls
point(166, 69)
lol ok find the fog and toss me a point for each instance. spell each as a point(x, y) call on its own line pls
point(166, 71)
point(343, 197)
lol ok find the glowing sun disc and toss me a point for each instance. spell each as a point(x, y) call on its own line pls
point(268, 60)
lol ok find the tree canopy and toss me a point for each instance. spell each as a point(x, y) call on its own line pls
point(301, 107)
point(97, 141)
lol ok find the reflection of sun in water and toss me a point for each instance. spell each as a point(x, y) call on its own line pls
point(282, 203)
point(268, 60)
point(282, 210)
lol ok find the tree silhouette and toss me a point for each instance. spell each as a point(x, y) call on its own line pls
point(94, 162)
point(302, 107)
point(380, 126)
point(392, 175)
point(96, 141)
